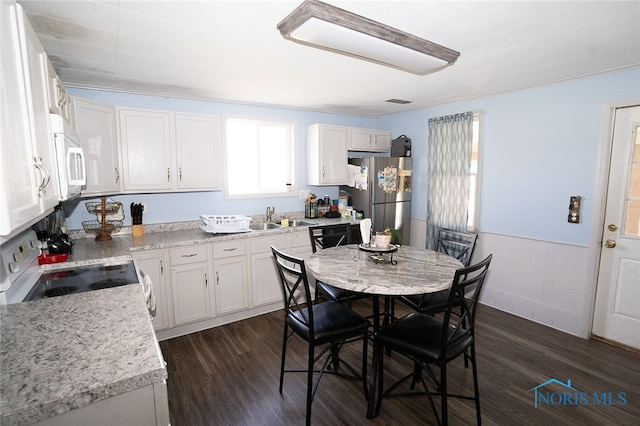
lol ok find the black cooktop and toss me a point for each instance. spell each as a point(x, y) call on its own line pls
point(78, 279)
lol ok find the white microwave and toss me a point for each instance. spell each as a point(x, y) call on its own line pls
point(70, 165)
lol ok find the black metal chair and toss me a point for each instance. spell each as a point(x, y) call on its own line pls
point(324, 236)
point(432, 341)
point(458, 244)
point(327, 324)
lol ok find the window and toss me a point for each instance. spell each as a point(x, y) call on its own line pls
point(453, 171)
point(259, 158)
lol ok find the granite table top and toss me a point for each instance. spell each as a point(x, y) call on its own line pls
point(63, 353)
point(417, 270)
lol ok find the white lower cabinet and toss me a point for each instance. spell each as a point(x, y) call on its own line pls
point(154, 264)
point(190, 282)
point(231, 277)
point(300, 244)
point(216, 283)
point(265, 283)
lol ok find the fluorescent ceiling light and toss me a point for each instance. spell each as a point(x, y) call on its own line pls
point(327, 27)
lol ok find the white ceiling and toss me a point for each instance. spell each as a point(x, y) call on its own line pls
point(232, 51)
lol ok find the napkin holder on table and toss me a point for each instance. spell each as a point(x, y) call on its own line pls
point(365, 231)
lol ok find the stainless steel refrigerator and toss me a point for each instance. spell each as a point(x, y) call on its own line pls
point(386, 196)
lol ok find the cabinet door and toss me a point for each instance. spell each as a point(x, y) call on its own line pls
point(38, 102)
point(197, 151)
point(326, 155)
point(231, 284)
point(153, 262)
point(266, 287)
point(369, 140)
point(382, 141)
point(190, 291)
point(96, 127)
point(361, 139)
point(145, 138)
point(19, 201)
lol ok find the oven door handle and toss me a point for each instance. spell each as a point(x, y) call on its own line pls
point(149, 297)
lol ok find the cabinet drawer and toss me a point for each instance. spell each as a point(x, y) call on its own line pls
point(300, 238)
point(263, 244)
point(229, 249)
point(190, 254)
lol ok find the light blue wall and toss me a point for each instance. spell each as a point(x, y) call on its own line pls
point(538, 147)
point(177, 207)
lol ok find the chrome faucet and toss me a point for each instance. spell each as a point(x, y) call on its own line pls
point(270, 212)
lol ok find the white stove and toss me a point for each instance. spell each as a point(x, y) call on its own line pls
point(22, 279)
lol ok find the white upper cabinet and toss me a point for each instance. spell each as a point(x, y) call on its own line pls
point(27, 174)
point(145, 143)
point(59, 101)
point(96, 127)
point(326, 155)
point(369, 140)
point(197, 152)
point(164, 152)
point(39, 106)
point(19, 201)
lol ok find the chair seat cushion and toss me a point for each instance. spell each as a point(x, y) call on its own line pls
point(332, 321)
point(333, 293)
point(420, 335)
point(430, 303)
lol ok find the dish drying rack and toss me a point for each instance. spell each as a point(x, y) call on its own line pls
point(109, 218)
point(225, 224)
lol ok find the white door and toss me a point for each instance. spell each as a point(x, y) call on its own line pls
point(617, 310)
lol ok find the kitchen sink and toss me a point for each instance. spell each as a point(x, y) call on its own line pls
point(264, 226)
point(295, 223)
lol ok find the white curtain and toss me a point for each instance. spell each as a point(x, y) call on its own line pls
point(450, 140)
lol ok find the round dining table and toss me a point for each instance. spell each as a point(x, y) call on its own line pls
point(401, 271)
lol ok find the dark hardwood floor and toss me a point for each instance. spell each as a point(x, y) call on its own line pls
point(229, 376)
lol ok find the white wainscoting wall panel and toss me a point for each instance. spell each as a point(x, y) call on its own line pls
point(546, 282)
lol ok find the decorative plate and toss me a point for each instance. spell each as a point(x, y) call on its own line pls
point(391, 249)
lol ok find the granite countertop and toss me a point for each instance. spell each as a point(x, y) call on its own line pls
point(63, 353)
point(171, 235)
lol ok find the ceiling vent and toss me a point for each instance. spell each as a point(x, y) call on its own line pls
point(398, 101)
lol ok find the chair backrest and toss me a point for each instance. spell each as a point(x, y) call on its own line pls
point(295, 287)
point(459, 244)
point(324, 236)
point(458, 329)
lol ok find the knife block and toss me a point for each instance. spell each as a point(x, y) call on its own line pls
point(137, 230)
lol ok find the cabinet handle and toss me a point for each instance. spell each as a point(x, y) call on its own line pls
point(322, 171)
point(45, 175)
point(117, 175)
point(189, 255)
point(161, 267)
point(206, 280)
point(180, 173)
point(230, 249)
point(217, 278)
point(369, 138)
point(168, 175)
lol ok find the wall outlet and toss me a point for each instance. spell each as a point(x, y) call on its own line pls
point(144, 208)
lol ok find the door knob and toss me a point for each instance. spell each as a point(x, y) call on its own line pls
point(610, 243)
point(612, 227)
